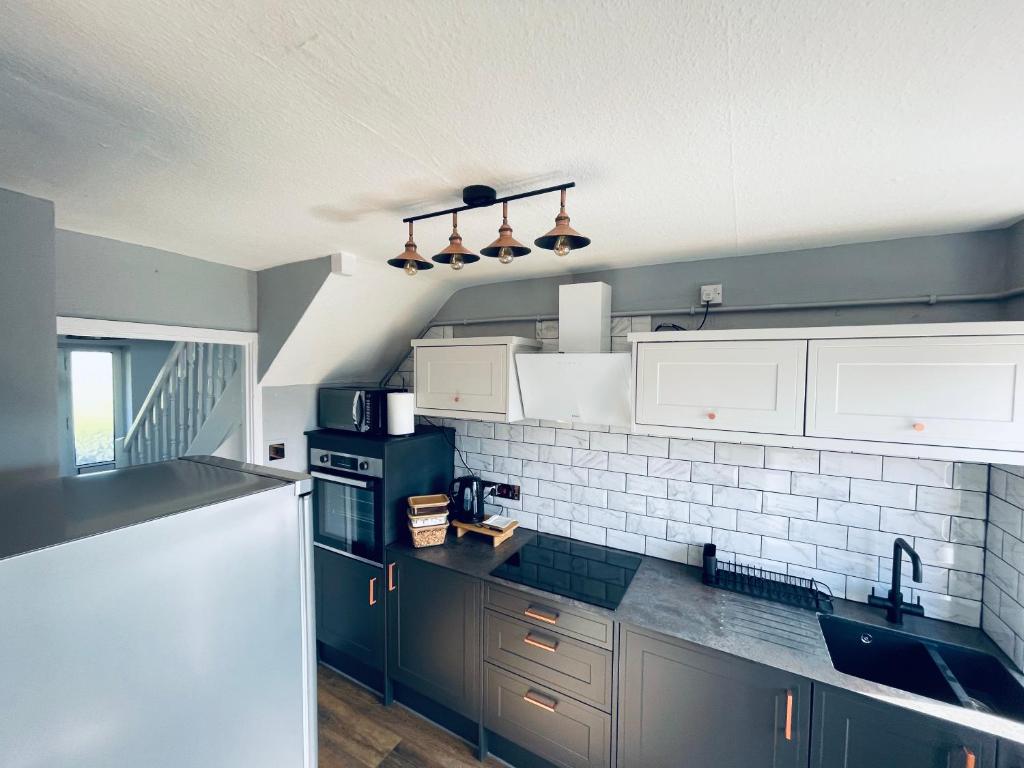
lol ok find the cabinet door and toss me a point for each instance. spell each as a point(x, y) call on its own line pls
point(462, 378)
point(677, 701)
point(434, 634)
point(746, 386)
point(350, 607)
point(1011, 754)
point(852, 731)
point(964, 391)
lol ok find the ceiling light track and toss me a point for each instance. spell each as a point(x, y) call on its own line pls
point(562, 239)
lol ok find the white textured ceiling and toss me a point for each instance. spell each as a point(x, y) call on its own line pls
point(257, 133)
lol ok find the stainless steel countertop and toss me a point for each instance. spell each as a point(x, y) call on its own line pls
point(669, 599)
point(49, 512)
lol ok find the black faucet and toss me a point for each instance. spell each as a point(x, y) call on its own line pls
point(894, 605)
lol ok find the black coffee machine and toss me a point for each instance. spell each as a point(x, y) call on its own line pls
point(468, 494)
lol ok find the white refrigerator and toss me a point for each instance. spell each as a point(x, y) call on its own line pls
point(158, 616)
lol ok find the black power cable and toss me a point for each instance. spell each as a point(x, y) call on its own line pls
point(674, 327)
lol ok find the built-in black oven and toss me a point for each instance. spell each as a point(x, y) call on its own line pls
point(348, 503)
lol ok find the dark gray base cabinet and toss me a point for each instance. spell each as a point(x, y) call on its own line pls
point(680, 705)
point(852, 731)
point(1011, 755)
point(434, 633)
point(349, 608)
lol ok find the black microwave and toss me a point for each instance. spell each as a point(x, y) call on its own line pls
point(353, 409)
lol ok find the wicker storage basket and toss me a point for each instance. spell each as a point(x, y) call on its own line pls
point(428, 537)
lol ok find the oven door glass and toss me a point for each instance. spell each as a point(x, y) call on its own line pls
point(346, 516)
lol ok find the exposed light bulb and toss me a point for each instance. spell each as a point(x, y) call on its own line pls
point(410, 268)
point(457, 263)
point(505, 255)
point(562, 246)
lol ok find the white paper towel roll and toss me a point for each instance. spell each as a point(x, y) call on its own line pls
point(400, 413)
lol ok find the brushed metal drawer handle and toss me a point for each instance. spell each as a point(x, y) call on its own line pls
point(550, 647)
point(373, 591)
point(539, 700)
point(548, 617)
point(969, 759)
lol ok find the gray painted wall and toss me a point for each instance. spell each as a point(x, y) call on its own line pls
point(28, 343)
point(975, 262)
point(111, 280)
point(1014, 309)
point(284, 293)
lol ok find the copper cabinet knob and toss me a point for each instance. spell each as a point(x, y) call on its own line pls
point(918, 427)
point(712, 415)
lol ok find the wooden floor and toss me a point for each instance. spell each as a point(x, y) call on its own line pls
point(357, 730)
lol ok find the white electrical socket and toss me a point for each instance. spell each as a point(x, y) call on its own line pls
point(711, 294)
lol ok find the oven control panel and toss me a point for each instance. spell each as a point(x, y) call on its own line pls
point(346, 462)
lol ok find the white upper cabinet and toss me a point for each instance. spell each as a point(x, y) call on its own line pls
point(746, 386)
point(474, 378)
point(956, 391)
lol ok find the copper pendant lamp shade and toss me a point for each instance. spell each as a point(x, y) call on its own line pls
point(562, 238)
point(456, 255)
point(506, 247)
point(409, 259)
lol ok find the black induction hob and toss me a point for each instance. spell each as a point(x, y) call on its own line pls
point(587, 572)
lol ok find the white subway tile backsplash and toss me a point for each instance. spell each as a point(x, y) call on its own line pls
point(826, 515)
point(572, 438)
point(692, 450)
point(716, 474)
point(594, 534)
point(821, 486)
point(668, 508)
point(714, 517)
point(608, 518)
point(813, 532)
point(804, 507)
point(848, 513)
point(764, 479)
point(588, 458)
point(918, 471)
point(648, 526)
point(631, 542)
point(647, 446)
point(970, 477)
point(743, 455)
point(647, 486)
point(788, 551)
point(851, 465)
point(554, 454)
point(673, 469)
point(545, 435)
point(764, 525)
point(908, 523)
point(684, 491)
point(609, 481)
point(629, 463)
point(627, 502)
point(882, 493)
point(736, 498)
point(793, 459)
point(608, 441)
point(736, 542)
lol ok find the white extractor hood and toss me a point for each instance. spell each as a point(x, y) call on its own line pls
point(583, 381)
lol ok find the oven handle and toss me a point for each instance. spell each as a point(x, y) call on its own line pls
point(340, 480)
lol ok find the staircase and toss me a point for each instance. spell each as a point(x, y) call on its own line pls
point(194, 404)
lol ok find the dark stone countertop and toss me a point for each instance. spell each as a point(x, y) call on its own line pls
point(669, 599)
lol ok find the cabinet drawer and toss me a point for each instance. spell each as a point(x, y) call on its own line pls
point(746, 386)
point(571, 666)
point(964, 391)
point(462, 378)
point(571, 621)
point(544, 722)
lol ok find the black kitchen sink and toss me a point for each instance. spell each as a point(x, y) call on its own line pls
point(941, 671)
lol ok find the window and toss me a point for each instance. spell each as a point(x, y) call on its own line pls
point(92, 406)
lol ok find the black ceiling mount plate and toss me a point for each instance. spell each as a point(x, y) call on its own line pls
point(479, 195)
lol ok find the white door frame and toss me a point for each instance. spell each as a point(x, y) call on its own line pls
point(247, 340)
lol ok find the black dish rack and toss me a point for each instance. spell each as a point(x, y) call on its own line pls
point(771, 585)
